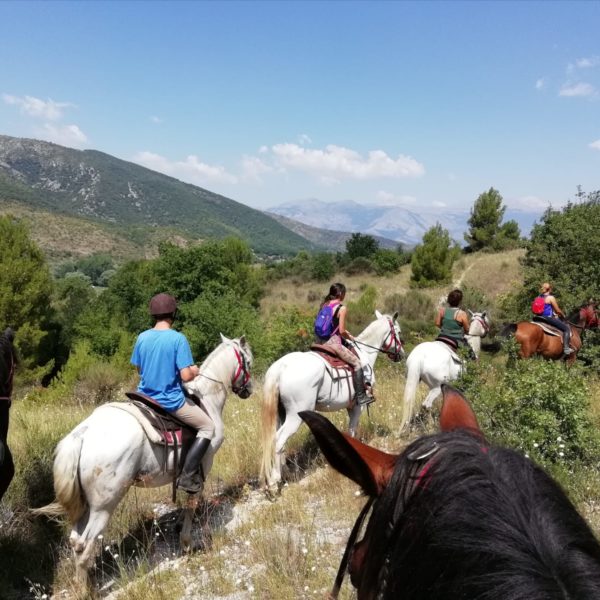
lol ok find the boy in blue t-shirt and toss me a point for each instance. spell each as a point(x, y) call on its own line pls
point(164, 360)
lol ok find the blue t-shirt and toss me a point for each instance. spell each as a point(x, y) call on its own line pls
point(159, 355)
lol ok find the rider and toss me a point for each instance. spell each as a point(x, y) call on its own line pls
point(551, 315)
point(164, 360)
point(337, 344)
point(452, 320)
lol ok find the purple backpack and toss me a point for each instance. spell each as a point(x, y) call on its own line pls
point(324, 323)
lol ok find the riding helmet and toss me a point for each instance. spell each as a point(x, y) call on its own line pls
point(162, 304)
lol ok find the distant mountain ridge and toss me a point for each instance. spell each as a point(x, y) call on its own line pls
point(92, 184)
point(391, 222)
point(327, 238)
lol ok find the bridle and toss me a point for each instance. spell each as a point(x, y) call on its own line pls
point(391, 339)
point(241, 378)
point(481, 320)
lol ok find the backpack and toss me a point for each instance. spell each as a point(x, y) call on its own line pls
point(537, 306)
point(324, 322)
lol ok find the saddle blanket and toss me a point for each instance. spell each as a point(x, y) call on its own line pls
point(455, 357)
point(332, 359)
point(152, 434)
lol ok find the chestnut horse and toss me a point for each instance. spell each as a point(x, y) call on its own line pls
point(534, 340)
point(454, 517)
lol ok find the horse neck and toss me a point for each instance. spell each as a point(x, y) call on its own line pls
point(373, 335)
point(215, 371)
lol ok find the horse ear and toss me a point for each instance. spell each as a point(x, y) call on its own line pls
point(243, 341)
point(378, 314)
point(395, 316)
point(457, 412)
point(368, 467)
point(470, 312)
point(223, 338)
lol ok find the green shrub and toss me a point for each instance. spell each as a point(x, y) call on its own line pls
point(538, 406)
point(359, 265)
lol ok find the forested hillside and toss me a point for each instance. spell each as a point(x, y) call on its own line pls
point(95, 185)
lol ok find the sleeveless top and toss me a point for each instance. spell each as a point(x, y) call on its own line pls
point(548, 312)
point(451, 327)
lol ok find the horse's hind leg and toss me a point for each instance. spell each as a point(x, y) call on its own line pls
point(85, 546)
point(431, 396)
point(290, 426)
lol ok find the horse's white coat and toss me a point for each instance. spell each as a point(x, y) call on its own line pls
point(435, 363)
point(103, 456)
point(300, 381)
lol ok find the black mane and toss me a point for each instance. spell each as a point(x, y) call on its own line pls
point(476, 522)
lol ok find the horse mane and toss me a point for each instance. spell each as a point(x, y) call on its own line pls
point(215, 353)
point(573, 316)
point(476, 521)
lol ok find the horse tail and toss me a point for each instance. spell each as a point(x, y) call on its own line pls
point(270, 406)
point(413, 376)
point(67, 487)
point(508, 330)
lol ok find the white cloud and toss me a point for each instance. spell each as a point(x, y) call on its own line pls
point(253, 167)
point(34, 107)
point(580, 89)
point(540, 84)
point(587, 63)
point(65, 135)
point(304, 140)
point(156, 119)
point(191, 169)
point(335, 163)
point(263, 149)
point(595, 145)
point(439, 204)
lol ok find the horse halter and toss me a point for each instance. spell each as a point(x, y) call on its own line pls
point(385, 348)
point(481, 320)
point(241, 378)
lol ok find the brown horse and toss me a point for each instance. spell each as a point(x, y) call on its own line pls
point(534, 340)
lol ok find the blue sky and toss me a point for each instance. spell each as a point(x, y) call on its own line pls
point(424, 105)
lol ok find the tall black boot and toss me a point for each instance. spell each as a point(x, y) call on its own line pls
point(360, 390)
point(567, 342)
point(191, 478)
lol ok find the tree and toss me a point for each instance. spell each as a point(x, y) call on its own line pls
point(485, 228)
point(25, 289)
point(361, 246)
point(432, 260)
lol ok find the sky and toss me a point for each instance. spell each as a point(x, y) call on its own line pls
point(423, 105)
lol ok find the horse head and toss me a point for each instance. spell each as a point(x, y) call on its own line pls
point(391, 344)
point(241, 379)
point(373, 469)
point(480, 323)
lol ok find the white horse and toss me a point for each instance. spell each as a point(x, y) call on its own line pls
point(435, 363)
point(103, 456)
point(301, 381)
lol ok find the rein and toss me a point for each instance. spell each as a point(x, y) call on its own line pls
point(241, 370)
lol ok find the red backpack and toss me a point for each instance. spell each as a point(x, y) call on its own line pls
point(537, 306)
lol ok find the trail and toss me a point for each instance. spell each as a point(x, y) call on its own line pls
point(456, 283)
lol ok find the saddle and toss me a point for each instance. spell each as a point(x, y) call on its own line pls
point(325, 352)
point(452, 346)
point(547, 328)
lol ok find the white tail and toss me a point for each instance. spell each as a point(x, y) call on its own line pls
point(66, 476)
point(269, 422)
point(413, 376)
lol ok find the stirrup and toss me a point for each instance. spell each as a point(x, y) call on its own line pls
point(568, 351)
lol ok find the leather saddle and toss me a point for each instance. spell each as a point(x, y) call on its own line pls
point(450, 342)
point(325, 352)
point(172, 431)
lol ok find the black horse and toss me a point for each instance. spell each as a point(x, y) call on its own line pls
point(8, 361)
point(454, 517)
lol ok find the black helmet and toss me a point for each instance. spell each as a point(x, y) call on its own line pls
point(162, 304)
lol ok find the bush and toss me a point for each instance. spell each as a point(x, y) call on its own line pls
point(416, 312)
point(359, 266)
point(538, 406)
point(387, 261)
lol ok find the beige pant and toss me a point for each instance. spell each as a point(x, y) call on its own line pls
point(195, 417)
point(343, 352)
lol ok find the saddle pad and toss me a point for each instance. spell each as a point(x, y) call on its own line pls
point(548, 328)
point(151, 432)
point(329, 357)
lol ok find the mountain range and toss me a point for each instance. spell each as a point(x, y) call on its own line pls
point(391, 222)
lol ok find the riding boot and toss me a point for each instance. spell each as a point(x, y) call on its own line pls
point(191, 477)
point(567, 342)
point(360, 388)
